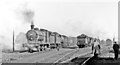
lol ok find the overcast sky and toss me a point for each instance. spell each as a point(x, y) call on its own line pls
point(71, 18)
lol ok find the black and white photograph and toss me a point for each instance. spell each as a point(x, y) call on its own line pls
point(59, 32)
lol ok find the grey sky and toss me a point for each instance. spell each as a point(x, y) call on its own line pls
point(65, 17)
point(74, 18)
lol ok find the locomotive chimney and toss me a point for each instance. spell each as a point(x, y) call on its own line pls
point(32, 25)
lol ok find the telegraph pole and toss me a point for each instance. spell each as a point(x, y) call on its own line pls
point(13, 42)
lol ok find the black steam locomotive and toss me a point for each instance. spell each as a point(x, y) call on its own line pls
point(40, 39)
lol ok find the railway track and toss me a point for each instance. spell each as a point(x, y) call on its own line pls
point(65, 56)
point(54, 57)
point(86, 62)
point(74, 61)
point(83, 59)
point(89, 60)
point(70, 56)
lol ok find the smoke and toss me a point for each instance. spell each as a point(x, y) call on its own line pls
point(20, 40)
point(14, 17)
point(5, 43)
point(24, 13)
point(28, 15)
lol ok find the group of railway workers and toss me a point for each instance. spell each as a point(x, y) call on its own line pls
point(96, 48)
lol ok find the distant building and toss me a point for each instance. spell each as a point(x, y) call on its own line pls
point(108, 42)
point(102, 42)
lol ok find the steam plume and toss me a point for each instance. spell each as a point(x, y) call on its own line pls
point(28, 15)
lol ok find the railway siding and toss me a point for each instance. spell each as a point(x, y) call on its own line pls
point(80, 54)
point(69, 56)
point(83, 52)
point(104, 58)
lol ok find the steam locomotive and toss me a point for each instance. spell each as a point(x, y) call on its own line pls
point(83, 40)
point(40, 39)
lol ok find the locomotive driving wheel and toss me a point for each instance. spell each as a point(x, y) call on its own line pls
point(30, 50)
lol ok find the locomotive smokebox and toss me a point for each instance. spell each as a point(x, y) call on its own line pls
point(32, 25)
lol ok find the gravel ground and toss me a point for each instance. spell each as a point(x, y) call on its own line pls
point(104, 61)
point(30, 57)
point(41, 57)
point(106, 58)
point(16, 55)
point(80, 59)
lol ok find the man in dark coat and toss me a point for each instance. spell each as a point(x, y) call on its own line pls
point(116, 50)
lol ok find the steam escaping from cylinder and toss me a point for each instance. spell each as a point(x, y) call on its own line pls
point(27, 16)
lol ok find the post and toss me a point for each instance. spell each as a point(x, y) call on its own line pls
point(13, 42)
point(46, 35)
point(55, 38)
point(109, 51)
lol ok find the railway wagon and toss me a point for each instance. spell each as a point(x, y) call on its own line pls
point(72, 41)
point(52, 40)
point(64, 41)
point(55, 40)
point(58, 40)
point(83, 40)
point(46, 36)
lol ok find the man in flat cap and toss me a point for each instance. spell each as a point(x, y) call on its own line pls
point(116, 50)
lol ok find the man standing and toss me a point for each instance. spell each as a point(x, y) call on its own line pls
point(116, 50)
point(96, 48)
point(99, 47)
point(57, 47)
point(92, 43)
